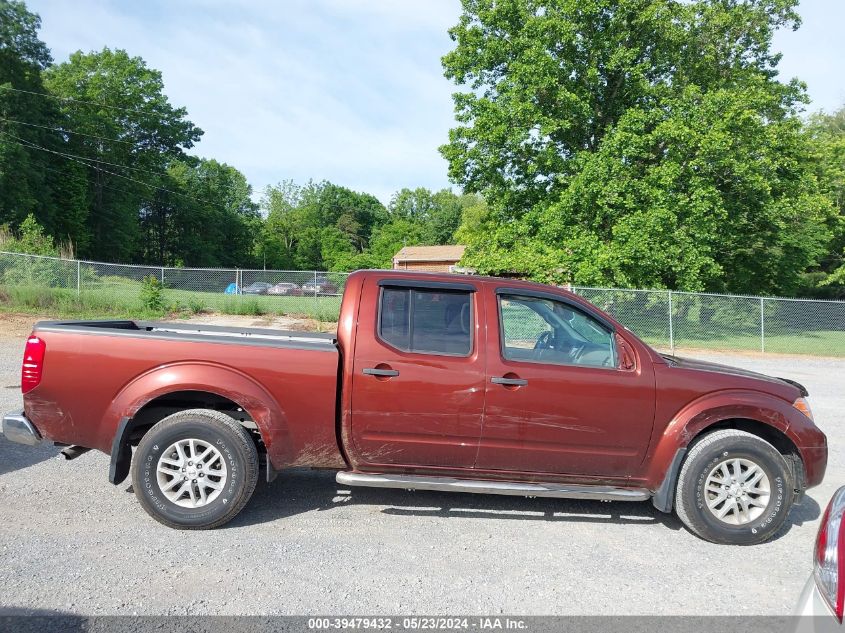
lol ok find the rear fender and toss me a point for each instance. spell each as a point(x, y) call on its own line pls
point(209, 377)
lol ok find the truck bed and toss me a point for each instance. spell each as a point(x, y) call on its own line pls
point(98, 373)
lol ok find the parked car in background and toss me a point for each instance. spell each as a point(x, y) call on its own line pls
point(320, 286)
point(257, 288)
point(432, 382)
point(285, 289)
point(824, 592)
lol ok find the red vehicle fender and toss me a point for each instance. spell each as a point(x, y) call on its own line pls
point(209, 377)
point(706, 411)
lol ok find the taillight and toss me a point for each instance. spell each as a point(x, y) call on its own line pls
point(829, 569)
point(33, 363)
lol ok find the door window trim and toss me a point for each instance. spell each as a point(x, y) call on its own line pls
point(551, 296)
point(517, 292)
point(413, 286)
point(426, 284)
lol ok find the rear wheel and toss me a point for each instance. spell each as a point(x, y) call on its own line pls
point(195, 469)
point(734, 488)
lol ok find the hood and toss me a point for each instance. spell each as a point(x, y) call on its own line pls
point(701, 365)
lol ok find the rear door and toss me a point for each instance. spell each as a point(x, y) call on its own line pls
point(418, 379)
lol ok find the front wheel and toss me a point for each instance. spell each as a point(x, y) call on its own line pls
point(734, 488)
point(195, 469)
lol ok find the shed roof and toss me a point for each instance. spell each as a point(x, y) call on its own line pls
point(446, 253)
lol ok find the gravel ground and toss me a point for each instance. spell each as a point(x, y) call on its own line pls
point(72, 542)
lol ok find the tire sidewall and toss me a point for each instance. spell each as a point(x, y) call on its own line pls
point(775, 513)
point(157, 441)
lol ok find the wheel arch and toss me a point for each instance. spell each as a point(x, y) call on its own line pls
point(756, 413)
point(167, 389)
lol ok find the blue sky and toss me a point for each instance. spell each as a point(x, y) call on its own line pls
point(345, 90)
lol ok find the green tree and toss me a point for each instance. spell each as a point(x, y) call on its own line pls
point(475, 216)
point(387, 240)
point(635, 142)
point(210, 218)
point(28, 175)
point(31, 238)
point(281, 228)
point(828, 135)
point(296, 234)
point(126, 133)
point(336, 251)
point(439, 213)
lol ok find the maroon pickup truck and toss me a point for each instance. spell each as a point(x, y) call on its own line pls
point(433, 382)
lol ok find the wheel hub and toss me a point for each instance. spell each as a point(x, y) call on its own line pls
point(737, 491)
point(191, 473)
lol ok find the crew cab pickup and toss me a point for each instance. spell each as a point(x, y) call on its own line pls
point(432, 382)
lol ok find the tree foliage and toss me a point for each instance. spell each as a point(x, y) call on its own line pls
point(25, 176)
point(126, 143)
point(635, 143)
point(602, 142)
point(317, 226)
point(29, 238)
point(828, 136)
point(204, 217)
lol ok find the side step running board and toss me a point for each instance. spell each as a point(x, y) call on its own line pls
point(487, 487)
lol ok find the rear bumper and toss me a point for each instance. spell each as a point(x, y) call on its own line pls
point(17, 428)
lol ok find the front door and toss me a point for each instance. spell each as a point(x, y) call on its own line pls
point(558, 399)
point(418, 379)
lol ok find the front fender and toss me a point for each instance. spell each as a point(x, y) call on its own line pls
point(711, 409)
point(209, 377)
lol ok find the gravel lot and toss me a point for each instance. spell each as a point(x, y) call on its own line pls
point(72, 542)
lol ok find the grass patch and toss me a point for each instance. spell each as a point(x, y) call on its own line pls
point(123, 300)
point(67, 304)
point(319, 308)
point(813, 343)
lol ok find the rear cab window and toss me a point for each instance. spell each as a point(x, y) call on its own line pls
point(426, 320)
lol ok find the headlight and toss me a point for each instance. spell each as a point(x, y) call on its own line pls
point(804, 407)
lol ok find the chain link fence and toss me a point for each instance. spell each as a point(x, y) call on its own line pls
point(47, 282)
point(666, 319)
point(671, 320)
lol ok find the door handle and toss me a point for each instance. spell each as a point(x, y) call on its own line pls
point(372, 371)
point(513, 382)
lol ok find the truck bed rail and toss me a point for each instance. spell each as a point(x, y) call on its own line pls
point(195, 332)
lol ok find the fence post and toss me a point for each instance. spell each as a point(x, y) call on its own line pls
point(671, 328)
point(762, 327)
point(78, 278)
point(162, 276)
point(316, 302)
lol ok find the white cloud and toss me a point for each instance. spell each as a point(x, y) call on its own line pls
point(350, 91)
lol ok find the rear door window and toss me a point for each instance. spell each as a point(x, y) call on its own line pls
point(426, 321)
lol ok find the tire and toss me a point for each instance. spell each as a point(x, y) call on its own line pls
point(228, 456)
point(707, 479)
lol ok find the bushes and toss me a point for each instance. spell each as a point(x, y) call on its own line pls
point(152, 294)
